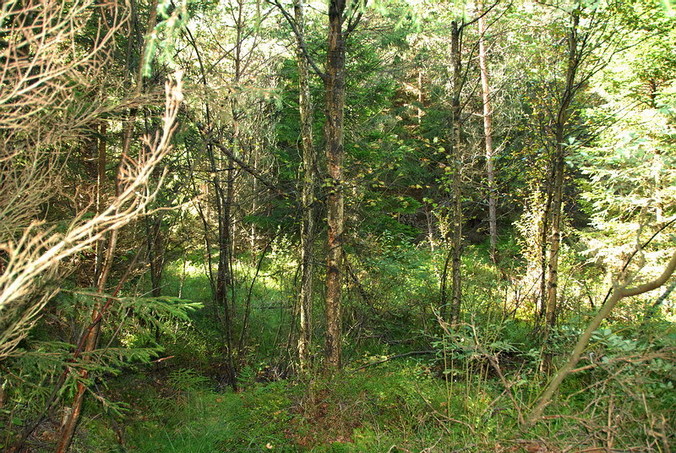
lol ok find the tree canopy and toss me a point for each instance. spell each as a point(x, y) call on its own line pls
point(347, 225)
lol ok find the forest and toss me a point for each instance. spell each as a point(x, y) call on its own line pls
point(337, 226)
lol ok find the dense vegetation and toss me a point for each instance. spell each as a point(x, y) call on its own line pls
point(345, 225)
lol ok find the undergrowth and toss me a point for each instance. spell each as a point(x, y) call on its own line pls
point(411, 383)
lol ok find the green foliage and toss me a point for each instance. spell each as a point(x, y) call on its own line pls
point(635, 366)
point(162, 40)
point(54, 367)
point(411, 383)
point(186, 380)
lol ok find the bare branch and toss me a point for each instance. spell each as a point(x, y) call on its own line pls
point(35, 256)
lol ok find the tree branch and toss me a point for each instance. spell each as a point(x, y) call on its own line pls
point(617, 294)
point(300, 39)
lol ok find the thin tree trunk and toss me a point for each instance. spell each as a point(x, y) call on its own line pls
point(308, 189)
point(488, 140)
point(223, 195)
point(72, 414)
point(334, 83)
point(456, 166)
point(618, 294)
point(420, 96)
point(543, 233)
point(445, 308)
point(555, 210)
point(554, 239)
point(221, 299)
point(100, 180)
point(226, 217)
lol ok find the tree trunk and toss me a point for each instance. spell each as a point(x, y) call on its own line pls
point(307, 198)
point(420, 97)
point(221, 282)
point(543, 247)
point(456, 173)
point(618, 294)
point(100, 181)
point(555, 213)
point(334, 83)
point(222, 305)
point(102, 270)
point(555, 208)
point(488, 140)
point(555, 205)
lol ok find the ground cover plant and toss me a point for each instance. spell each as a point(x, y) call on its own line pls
point(340, 226)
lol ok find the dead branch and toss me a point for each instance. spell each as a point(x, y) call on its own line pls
point(36, 254)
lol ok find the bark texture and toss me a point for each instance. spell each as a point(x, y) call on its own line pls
point(334, 83)
point(307, 194)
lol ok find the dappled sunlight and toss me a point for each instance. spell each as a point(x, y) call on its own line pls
point(335, 226)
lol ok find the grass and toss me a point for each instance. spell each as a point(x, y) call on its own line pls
point(397, 406)
point(455, 402)
point(403, 405)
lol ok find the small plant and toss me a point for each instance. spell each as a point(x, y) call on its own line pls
point(186, 380)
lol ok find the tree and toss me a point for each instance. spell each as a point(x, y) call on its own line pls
point(592, 35)
point(626, 175)
point(307, 234)
point(457, 144)
point(334, 83)
point(488, 136)
point(343, 18)
point(49, 99)
point(231, 126)
point(106, 246)
point(620, 291)
point(55, 104)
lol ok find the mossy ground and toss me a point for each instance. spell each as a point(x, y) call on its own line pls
point(448, 398)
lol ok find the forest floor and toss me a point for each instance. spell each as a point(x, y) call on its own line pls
point(445, 397)
point(397, 406)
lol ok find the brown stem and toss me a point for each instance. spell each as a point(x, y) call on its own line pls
point(618, 294)
point(334, 85)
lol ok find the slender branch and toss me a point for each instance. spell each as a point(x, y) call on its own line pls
point(300, 38)
point(396, 356)
point(618, 294)
point(480, 16)
point(252, 171)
